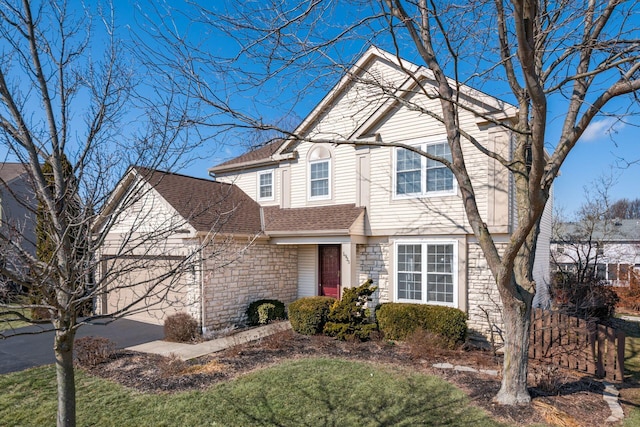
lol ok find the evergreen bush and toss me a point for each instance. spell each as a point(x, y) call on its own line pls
point(350, 318)
point(398, 320)
point(254, 316)
point(309, 315)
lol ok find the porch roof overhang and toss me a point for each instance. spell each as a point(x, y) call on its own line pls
point(317, 224)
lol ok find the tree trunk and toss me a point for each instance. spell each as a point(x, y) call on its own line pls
point(517, 319)
point(63, 349)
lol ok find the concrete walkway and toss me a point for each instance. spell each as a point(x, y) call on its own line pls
point(192, 351)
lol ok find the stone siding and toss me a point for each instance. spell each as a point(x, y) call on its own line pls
point(238, 275)
point(373, 263)
point(485, 313)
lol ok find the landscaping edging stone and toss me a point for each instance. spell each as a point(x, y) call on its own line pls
point(610, 393)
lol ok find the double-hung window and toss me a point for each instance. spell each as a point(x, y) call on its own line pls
point(319, 173)
point(265, 185)
point(426, 272)
point(319, 179)
point(417, 175)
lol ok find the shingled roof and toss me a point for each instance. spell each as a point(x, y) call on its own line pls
point(205, 204)
point(262, 153)
point(337, 218)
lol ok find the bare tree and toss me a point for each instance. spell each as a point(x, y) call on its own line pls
point(562, 60)
point(581, 240)
point(76, 111)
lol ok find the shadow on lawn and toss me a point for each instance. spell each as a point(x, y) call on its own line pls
point(317, 401)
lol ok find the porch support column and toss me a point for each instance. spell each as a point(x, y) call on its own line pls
point(348, 265)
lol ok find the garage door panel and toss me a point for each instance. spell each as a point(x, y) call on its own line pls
point(154, 288)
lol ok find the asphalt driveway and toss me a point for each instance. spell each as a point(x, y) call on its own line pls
point(35, 348)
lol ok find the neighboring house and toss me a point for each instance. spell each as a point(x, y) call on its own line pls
point(17, 212)
point(608, 250)
point(327, 216)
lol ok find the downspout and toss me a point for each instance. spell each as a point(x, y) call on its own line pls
point(262, 220)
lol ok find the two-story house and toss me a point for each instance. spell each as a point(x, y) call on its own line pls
point(408, 230)
point(333, 214)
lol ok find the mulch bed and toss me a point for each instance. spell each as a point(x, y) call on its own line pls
point(560, 397)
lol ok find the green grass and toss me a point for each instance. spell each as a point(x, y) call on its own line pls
point(6, 324)
point(312, 392)
point(632, 371)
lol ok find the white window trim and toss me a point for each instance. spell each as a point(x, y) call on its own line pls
point(423, 175)
point(273, 185)
point(425, 243)
point(322, 197)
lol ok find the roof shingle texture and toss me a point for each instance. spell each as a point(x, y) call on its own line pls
point(207, 205)
point(319, 218)
point(261, 153)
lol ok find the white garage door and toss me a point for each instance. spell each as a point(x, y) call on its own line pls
point(152, 288)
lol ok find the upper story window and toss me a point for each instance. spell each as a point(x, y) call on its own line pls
point(419, 176)
point(320, 174)
point(265, 185)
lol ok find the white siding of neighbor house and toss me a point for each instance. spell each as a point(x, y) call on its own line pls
point(307, 271)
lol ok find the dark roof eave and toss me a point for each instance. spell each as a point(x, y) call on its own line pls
point(310, 233)
point(235, 167)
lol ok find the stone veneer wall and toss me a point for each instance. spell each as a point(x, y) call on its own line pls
point(485, 313)
point(256, 272)
point(373, 263)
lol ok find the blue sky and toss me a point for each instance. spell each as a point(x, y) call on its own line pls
point(597, 154)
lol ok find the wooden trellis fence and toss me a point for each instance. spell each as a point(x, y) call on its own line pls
point(577, 344)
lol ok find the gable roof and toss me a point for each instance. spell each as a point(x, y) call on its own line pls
point(320, 219)
point(205, 204)
point(490, 107)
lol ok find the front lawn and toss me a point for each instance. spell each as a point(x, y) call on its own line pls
point(6, 324)
point(307, 392)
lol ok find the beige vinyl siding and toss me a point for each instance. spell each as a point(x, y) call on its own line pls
point(428, 214)
point(357, 102)
point(307, 271)
point(247, 181)
point(148, 214)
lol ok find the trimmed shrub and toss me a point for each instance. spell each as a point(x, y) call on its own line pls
point(180, 327)
point(262, 316)
point(91, 351)
point(309, 315)
point(398, 320)
point(349, 318)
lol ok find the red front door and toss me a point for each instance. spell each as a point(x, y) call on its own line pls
point(329, 274)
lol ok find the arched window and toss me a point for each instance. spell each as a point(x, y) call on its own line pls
point(319, 173)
